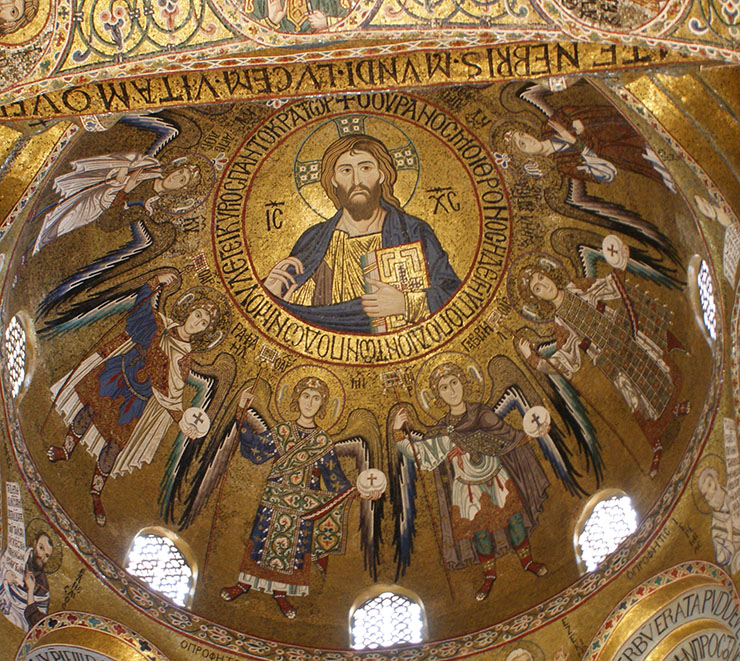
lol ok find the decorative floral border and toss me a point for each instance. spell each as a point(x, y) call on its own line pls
point(205, 631)
point(76, 619)
point(644, 590)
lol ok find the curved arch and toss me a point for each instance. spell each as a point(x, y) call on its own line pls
point(385, 615)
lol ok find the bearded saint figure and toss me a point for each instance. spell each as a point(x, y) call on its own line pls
point(725, 527)
point(26, 602)
point(322, 281)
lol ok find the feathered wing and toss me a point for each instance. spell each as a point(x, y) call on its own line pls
point(361, 441)
point(212, 382)
point(567, 403)
point(164, 130)
point(610, 215)
point(537, 95)
point(103, 304)
point(583, 250)
point(580, 204)
point(148, 240)
point(402, 487)
point(513, 391)
point(214, 460)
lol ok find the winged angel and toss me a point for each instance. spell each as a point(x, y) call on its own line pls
point(490, 486)
point(114, 181)
point(122, 398)
point(615, 322)
point(304, 507)
point(591, 144)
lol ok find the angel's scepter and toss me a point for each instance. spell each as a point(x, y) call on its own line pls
point(267, 355)
point(391, 381)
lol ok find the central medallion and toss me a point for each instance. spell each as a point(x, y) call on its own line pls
point(338, 228)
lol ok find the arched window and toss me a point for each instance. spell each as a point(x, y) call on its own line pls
point(15, 355)
point(706, 298)
point(155, 557)
point(606, 521)
point(700, 288)
point(391, 616)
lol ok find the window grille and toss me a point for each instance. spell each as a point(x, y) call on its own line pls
point(156, 560)
point(15, 355)
point(706, 297)
point(610, 522)
point(387, 619)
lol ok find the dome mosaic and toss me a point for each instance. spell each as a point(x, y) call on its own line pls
point(303, 319)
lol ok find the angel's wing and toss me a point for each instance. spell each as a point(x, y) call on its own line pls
point(402, 487)
point(114, 300)
point(610, 215)
point(567, 403)
point(587, 247)
point(214, 460)
point(212, 383)
point(164, 130)
point(362, 443)
point(513, 391)
point(148, 240)
point(536, 95)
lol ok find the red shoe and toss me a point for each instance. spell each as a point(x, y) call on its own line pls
point(55, 453)
point(537, 568)
point(525, 559)
point(232, 592)
point(98, 510)
point(286, 608)
point(485, 589)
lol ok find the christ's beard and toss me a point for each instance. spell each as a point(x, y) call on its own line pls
point(360, 207)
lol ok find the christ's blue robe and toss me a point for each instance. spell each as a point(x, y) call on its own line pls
point(398, 228)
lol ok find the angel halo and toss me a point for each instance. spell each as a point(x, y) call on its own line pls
point(217, 307)
point(443, 364)
point(318, 378)
point(528, 305)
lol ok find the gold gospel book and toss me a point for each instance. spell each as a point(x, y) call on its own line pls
point(402, 266)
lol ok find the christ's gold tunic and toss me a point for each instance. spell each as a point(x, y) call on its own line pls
point(343, 260)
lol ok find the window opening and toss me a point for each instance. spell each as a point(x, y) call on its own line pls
point(15, 355)
point(706, 298)
point(387, 619)
point(156, 560)
point(611, 520)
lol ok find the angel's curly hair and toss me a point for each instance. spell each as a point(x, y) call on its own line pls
point(30, 9)
point(443, 370)
point(312, 383)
